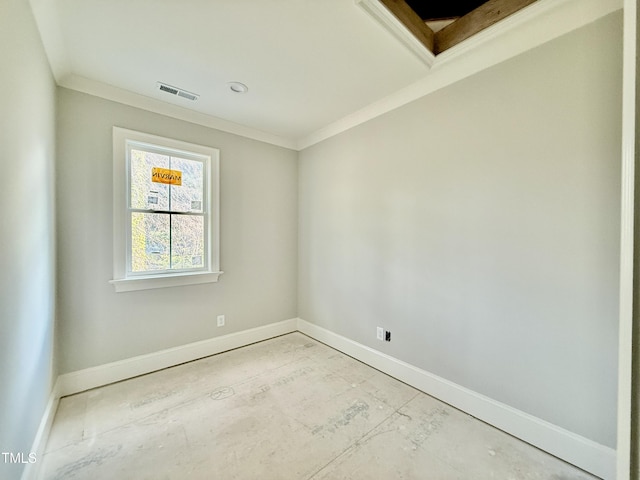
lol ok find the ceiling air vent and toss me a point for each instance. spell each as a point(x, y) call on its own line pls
point(177, 91)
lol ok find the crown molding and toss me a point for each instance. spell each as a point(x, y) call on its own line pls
point(126, 97)
point(47, 20)
point(531, 27)
point(390, 22)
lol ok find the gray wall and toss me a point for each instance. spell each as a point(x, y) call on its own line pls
point(27, 289)
point(258, 240)
point(480, 224)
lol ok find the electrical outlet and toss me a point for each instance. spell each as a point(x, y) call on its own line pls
point(380, 333)
point(387, 336)
point(221, 320)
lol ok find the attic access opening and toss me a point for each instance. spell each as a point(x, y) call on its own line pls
point(444, 24)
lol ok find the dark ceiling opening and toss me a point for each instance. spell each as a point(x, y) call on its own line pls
point(431, 10)
point(465, 18)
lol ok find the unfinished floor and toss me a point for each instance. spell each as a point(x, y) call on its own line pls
point(285, 408)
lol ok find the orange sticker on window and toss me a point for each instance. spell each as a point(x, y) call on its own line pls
point(164, 175)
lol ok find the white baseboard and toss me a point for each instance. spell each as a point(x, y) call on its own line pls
point(573, 448)
point(31, 470)
point(570, 447)
point(81, 380)
point(88, 378)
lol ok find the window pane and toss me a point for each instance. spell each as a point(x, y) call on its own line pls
point(146, 194)
point(149, 242)
point(188, 197)
point(187, 239)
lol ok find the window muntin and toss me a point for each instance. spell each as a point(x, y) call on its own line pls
point(163, 234)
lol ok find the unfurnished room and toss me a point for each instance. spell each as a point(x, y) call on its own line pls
point(318, 239)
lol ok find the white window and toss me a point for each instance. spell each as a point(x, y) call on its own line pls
point(166, 214)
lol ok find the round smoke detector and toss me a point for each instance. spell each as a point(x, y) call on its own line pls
point(238, 87)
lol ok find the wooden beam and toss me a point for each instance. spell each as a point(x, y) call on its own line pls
point(410, 19)
point(482, 17)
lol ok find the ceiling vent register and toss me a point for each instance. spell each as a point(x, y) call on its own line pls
point(177, 91)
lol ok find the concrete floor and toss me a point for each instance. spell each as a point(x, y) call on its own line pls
point(286, 408)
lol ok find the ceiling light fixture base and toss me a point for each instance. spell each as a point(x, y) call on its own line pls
point(238, 87)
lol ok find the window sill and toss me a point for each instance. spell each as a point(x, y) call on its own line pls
point(150, 282)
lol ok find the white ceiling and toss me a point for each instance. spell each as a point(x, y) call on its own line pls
point(313, 67)
point(307, 63)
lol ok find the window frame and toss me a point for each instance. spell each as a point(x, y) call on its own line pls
point(123, 278)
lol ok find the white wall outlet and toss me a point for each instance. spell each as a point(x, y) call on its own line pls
point(380, 333)
point(221, 320)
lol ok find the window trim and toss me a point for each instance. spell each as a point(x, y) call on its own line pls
point(123, 281)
